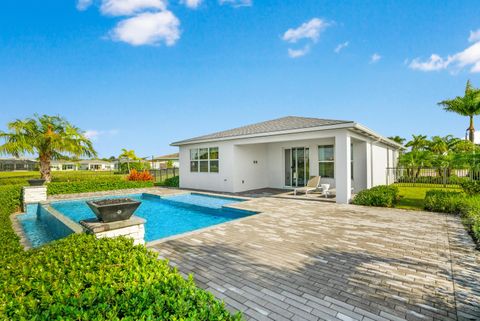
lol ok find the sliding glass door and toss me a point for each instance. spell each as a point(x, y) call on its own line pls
point(297, 166)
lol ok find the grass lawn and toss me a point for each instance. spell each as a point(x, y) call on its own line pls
point(411, 198)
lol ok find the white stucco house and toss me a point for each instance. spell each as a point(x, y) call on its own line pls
point(284, 153)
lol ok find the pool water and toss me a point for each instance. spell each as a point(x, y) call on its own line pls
point(165, 216)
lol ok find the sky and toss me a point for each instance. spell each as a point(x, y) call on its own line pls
point(140, 74)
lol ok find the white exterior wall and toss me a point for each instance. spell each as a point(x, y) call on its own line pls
point(382, 158)
point(250, 167)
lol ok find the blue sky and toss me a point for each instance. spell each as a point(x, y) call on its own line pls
point(139, 74)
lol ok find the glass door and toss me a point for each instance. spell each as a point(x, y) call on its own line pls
point(297, 166)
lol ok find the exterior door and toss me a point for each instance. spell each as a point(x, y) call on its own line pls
point(297, 166)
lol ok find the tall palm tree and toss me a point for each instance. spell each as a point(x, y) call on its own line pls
point(50, 137)
point(128, 155)
point(397, 139)
point(466, 105)
point(418, 142)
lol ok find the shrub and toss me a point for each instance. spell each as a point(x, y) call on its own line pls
point(467, 206)
point(381, 196)
point(471, 187)
point(93, 186)
point(139, 166)
point(139, 176)
point(171, 182)
point(82, 278)
point(9, 203)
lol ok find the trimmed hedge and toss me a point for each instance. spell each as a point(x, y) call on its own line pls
point(171, 182)
point(467, 206)
point(74, 176)
point(380, 196)
point(93, 186)
point(471, 187)
point(82, 278)
point(9, 202)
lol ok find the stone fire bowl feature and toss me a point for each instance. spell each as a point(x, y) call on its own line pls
point(115, 209)
point(36, 182)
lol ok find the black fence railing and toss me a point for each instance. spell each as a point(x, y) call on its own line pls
point(161, 175)
point(431, 177)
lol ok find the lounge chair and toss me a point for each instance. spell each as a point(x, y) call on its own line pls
point(312, 185)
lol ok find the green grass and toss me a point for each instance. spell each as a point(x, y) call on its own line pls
point(13, 178)
point(412, 198)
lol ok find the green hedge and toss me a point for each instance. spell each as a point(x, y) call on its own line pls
point(73, 176)
point(93, 186)
point(170, 182)
point(381, 196)
point(467, 206)
point(9, 202)
point(471, 187)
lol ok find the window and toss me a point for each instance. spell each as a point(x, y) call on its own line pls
point(204, 160)
point(326, 161)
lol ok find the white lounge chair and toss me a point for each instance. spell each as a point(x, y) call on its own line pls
point(312, 185)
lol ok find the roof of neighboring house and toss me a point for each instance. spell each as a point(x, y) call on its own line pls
point(17, 159)
point(285, 125)
point(168, 157)
point(95, 161)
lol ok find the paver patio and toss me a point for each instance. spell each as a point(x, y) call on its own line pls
point(307, 260)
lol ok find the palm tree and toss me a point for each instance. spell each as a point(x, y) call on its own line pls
point(129, 155)
point(397, 139)
point(467, 105)
point(50, 137)
point(418, 142)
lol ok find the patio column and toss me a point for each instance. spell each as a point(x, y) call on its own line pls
point(343, 181)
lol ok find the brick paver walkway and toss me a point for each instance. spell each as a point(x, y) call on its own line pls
point(304, 260)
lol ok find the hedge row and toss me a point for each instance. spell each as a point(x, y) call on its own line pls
point(170, 182)
point(381, 196)
point(467, 206)
point(93, 186)
point(9, 203)
point(15, 178)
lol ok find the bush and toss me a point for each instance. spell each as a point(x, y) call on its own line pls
point(82, 278)
point(471, 187)
point(139, 176)
point(381, 196)
point(9, 202)
point(93, 186)
point(14, 178)
point(171, 182)
point(139, 166)
point(467, 206)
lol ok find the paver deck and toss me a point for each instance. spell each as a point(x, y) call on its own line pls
point(304, 260)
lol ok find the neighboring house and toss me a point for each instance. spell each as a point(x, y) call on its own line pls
point(18, 164)
point(285, 153)
point(97, 165)
point(64, 165)
point(161, 162)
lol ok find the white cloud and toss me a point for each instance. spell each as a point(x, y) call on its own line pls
point(83, 4)
point(341, 46)
point(236, 3)
point(148, 29)
point(130, 7)
point(296, 53)
point(375, 58)
point(192, 4)
point(474, 36)
point(95, 134)
point(308, 30)
point(470, 57)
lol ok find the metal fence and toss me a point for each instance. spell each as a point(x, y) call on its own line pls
point(161, 175)
point(431, 177)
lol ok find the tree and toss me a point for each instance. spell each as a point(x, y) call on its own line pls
point(129, 155)
point(418, 142)
point(50, 137)
point(397, 139)
point(466, 105)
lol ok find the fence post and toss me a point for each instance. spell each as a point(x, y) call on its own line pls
point(445, 177)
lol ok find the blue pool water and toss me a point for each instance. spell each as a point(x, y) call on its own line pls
point(165, 216)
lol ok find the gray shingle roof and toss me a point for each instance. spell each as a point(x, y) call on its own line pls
point(270, 126)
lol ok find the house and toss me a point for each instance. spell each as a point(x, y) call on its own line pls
point(97, 165)
point(285, 153)
point(161, 162)
point(18, 164)
point(63, 165)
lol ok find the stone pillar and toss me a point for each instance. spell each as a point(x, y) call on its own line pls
point(133, 228)
point(343, 181)
point(34, 194)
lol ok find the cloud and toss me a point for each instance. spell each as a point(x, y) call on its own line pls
point(95, 134)
point(308, 30)
point(192, 4)
point(296, 53)
point(470, 57)
point(474, 36)
point(130, 7)
point(148, 29)
point(341, 46)
point(236, 3)
point(83, 4)
point(375, 58)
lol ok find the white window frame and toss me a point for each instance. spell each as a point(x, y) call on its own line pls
point(208, 160)
point(326, 161)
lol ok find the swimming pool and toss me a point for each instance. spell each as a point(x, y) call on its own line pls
point(165, 216)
